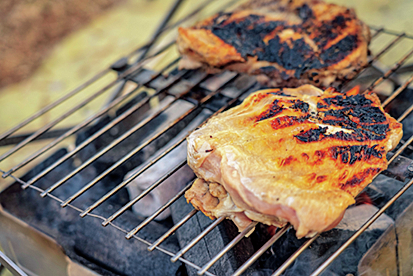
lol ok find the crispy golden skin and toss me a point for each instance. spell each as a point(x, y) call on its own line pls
point(291, 155)
point(286, 43)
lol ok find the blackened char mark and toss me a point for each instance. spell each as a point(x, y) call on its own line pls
point(339, 50)
point(312, 135)
point(341, 122)
point(360, 135)
point(319, 134)
point(369, 122)
point(379, 129)
point(369, 114)
point(339, 21)
point(328, 30)
point(352, 154)
point(348, 101)
point(338, 113)
point(359, 178)
point(368, 118)
point(303, 106)
point(245, 35)
point(272, 111)
point(299, 57)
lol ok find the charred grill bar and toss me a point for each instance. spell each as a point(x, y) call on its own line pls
point(170, 87)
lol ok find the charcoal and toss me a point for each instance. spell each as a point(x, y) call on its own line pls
point(211, 244)
point(328, 242)
point(171, 186)
point(104, 250)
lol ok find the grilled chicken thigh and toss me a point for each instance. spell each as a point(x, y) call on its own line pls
point(290, 155)
point(286, 43)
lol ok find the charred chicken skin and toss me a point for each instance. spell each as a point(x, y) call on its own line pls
point(286, 43)
point(296, 156)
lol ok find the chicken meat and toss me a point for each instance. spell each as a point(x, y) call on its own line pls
point(297, 156)
point(285, 43)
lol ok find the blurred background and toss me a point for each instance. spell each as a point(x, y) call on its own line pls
point(49, 47)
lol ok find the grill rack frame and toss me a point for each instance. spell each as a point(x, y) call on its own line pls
point(127, 75)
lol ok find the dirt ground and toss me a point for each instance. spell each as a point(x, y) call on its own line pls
point(29, 29)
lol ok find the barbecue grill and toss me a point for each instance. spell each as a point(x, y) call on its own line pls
point(201, 94)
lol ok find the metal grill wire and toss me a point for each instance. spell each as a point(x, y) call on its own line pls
point(128, 74)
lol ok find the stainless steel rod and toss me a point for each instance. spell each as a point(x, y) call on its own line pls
point(401, 149)
point(66, 134)
point(127, 156)
point(127, 181)
point(54, 104)
point(129, 71)
point(97, 134)
point(230, 245)
point(197, 239)
point(179, 22)
point(405, 114)
point(397, 92)
point(167, 252)
point(85, 123)
point(294, 256)
point(379, 31)
point(373, 59)
point(389, 72)
point(385, 49)
point(160, 210)
point(321, 268)
point(53, 123)
point(261, 251)
point(103, 151)
point(386, 31)
point(172, 230)
point(143, 194)
point(160, 28)
point(136, 174)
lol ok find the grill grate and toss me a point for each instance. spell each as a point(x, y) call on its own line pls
point(166, 88)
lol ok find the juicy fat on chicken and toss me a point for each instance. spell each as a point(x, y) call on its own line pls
point(285, 43)
point(290, 155)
